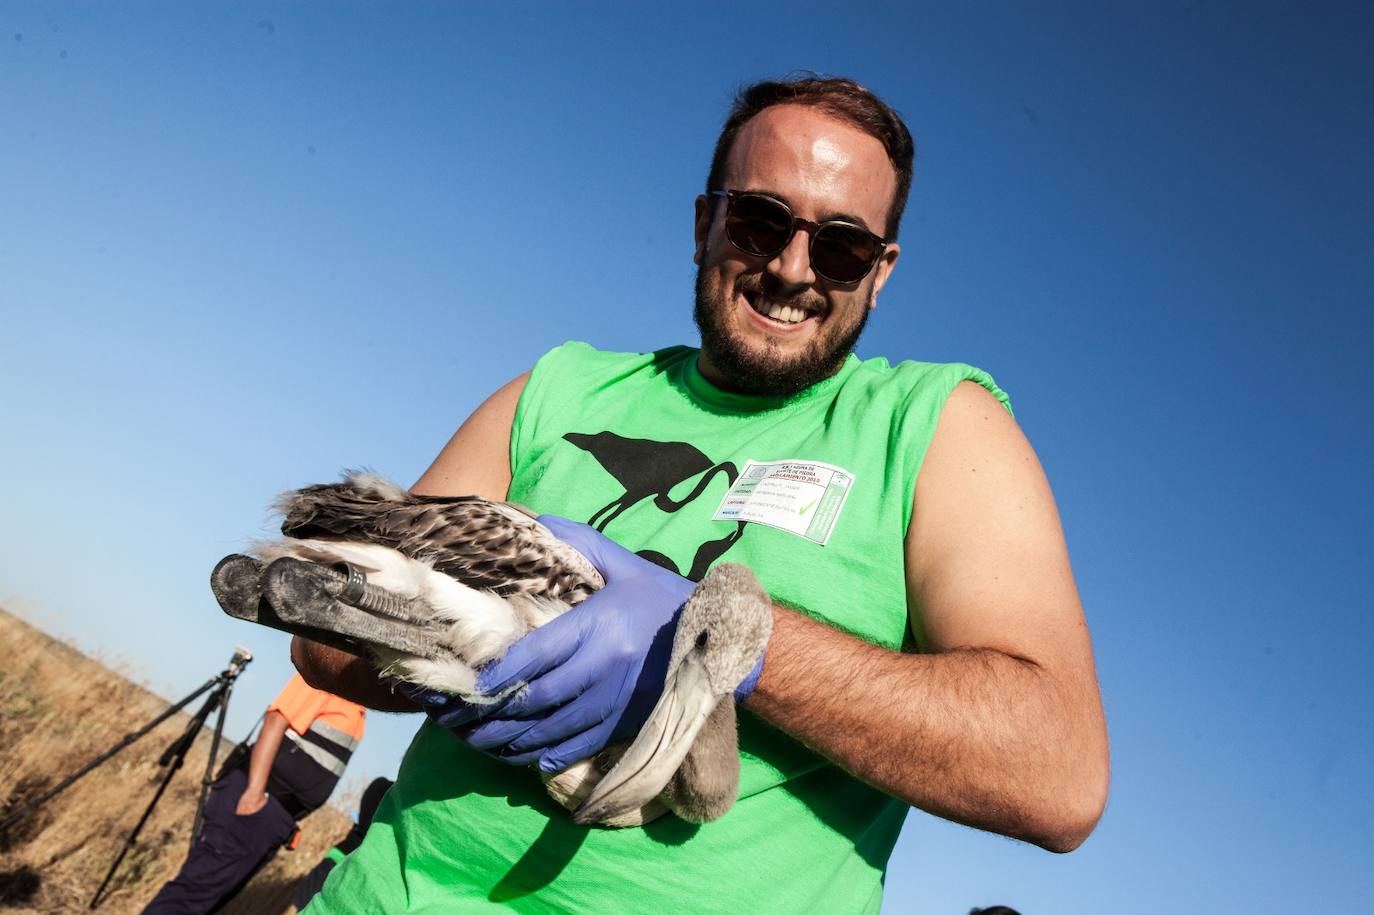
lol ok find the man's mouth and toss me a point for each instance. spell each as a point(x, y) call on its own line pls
point(777, 311)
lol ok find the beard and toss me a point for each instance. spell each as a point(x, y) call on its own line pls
point(770, 373)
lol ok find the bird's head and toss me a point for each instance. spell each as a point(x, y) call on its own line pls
point(721, 633)
point(723, 629)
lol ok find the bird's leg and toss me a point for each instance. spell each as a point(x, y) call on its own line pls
point(355, 591)
point(308, 599)
point(237, 585)
point(310, 594)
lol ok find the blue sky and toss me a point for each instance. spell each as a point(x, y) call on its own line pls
point(245, 246)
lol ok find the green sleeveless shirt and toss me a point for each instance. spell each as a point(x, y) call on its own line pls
point(814, 493)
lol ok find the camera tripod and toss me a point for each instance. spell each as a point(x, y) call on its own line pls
point(220, 687)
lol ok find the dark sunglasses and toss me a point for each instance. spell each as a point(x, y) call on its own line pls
point(761, 226)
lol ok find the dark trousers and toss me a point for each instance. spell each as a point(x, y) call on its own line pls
point(230, 850)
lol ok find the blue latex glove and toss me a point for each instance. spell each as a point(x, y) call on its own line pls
point(592, 674)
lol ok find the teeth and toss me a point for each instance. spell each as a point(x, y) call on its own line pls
point(783, 314)
point(786, 314)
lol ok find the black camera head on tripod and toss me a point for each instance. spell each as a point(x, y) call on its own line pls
point(241, 659)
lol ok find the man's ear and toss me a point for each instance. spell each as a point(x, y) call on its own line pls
point(702, 226)
point(886, 264)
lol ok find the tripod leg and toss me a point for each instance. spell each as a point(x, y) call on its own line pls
point(209, 775)
point(124, 742)
point(173, 759)
point(133, 836)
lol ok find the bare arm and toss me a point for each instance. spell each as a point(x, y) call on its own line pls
point(999, 725)
point(254, 796)
point(476, 461)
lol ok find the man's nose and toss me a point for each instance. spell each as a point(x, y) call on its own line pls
point(792, 265)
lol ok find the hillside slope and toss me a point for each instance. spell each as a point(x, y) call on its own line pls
point(59, 709)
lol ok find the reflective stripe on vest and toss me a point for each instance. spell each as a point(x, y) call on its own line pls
point(328, 746)
point(347, 742)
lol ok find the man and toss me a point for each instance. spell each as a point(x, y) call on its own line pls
point(307, 738)
point(928, 646)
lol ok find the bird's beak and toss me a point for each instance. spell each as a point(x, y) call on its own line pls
point(661, 746)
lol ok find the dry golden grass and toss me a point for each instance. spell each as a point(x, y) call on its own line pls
point(58, 710)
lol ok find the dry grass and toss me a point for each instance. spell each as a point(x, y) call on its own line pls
point(58, 710)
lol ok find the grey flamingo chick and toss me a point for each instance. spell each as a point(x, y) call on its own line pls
point(431, 588)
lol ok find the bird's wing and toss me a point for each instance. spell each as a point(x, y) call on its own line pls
point(485, 545)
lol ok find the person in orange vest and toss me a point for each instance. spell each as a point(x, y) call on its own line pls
point(307, 738)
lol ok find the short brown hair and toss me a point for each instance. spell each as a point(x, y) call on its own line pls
point(836, 96)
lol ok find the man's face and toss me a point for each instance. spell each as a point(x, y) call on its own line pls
point(823, 169)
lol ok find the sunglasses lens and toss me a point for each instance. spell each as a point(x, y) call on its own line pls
point(762, 227)
point(757, 225)
point(843, 254)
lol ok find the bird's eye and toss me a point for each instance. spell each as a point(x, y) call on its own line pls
point(701, 639)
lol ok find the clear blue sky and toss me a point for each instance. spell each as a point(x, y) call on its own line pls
point(243, 246)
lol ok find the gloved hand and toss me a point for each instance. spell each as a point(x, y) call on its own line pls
point(592, 674)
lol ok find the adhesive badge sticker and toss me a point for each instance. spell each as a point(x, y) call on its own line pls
point(800, 497)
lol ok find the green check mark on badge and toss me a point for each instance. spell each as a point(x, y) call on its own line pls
point(807, 507)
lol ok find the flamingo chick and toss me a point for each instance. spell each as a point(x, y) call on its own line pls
point(432, 588)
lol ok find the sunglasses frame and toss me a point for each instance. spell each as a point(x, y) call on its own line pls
point(813, 228)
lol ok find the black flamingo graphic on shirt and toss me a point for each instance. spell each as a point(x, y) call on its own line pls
point(649, 469)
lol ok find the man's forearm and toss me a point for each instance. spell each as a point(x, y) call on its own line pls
point(975, 736)
point(347, 676)
point(265, 751)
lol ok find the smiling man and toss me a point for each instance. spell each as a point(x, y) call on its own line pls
point(928, 645)
point(779, 330)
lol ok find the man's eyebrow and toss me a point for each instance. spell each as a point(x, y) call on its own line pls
point(825, 217)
